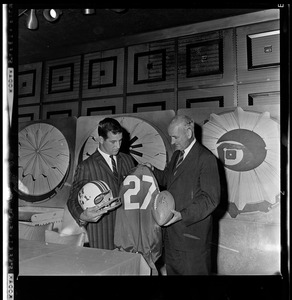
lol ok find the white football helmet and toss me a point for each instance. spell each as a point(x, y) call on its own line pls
point(97, 193)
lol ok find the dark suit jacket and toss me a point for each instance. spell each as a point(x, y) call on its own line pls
point(100, 234)
point(196, 190)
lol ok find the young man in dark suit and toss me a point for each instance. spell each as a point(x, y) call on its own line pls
point(100, 166)
point(192, 178)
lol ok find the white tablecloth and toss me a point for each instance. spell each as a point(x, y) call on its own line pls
point(39, 258)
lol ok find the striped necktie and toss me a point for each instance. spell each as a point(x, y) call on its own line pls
point(179, 160)
point(115, 170)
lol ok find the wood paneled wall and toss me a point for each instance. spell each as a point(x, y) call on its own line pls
point(219, 67)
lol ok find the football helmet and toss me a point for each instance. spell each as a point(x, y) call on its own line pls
point(162, 206)
point(97, 193)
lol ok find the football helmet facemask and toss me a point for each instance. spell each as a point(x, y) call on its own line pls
point(97, 194)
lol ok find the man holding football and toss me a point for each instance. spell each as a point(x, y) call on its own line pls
point(192, 177)
point(106, 164)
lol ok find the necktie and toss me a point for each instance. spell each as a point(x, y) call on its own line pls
point(179, 160)
point(115, 170)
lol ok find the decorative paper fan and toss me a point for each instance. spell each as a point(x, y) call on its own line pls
point(43, 161)
point(146, 144)
point(248, 144)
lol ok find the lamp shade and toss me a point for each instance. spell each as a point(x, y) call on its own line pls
point(52, 14)
point(88, 11)
point(32, 21)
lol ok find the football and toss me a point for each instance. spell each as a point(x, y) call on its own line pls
point(162, 206)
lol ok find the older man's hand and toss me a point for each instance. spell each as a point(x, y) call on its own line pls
point(176, 217)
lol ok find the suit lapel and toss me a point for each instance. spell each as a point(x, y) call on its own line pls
point(120, 167)
point(105, 165)
point(185, 165)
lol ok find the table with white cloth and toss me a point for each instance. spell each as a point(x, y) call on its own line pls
point(38, 258)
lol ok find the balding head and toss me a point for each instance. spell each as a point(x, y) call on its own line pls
point(182, 120)
point(181, 131)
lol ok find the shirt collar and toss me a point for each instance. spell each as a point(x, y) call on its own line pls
point(187, 150)
point(106, 156)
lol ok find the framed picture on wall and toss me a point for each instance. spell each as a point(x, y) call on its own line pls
point(102, 72)
point(263, 49)
point(29, 83)
point(150, 66)
point(204, 58)
point(26, 83)
point(61, 78)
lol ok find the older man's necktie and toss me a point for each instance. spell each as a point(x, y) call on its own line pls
point(179, 160)
point(115, 170)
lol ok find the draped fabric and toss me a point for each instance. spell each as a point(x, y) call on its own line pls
point(101, 233)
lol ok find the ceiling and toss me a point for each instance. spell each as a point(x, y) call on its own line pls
point(75, 28)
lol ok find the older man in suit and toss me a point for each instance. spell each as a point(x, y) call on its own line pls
point(192, 177)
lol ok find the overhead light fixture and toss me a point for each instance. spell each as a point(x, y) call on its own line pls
point(119, 10)
point(32, 21)
point(52, 14)
point(89, 11)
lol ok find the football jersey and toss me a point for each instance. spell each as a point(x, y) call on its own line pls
point(135, 227)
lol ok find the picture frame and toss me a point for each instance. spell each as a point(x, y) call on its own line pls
point(109, 64)
point(263, 49)
point(153, 63)
point(204, 58)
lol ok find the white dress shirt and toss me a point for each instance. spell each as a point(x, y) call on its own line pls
point(188, 149)
point(107, 158)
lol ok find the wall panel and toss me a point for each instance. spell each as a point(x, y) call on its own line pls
point(206, 59)
point(60, 110)
point(29, 83)
point(150, 102)
point(62, 78)
point(103, 73)
point(264, 93)
point(28, 113)
point(213, 96)
point(102, 106)
point(151, 66)
point(258, 57)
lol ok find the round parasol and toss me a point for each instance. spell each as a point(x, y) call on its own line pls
point(248, 144)
point(43, 161)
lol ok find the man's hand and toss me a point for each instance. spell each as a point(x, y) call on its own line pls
point(93, 214)
point(176, 217)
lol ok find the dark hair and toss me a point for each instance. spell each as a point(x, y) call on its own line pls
point(109, 124)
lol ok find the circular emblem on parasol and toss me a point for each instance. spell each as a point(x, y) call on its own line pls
point(248, 144)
